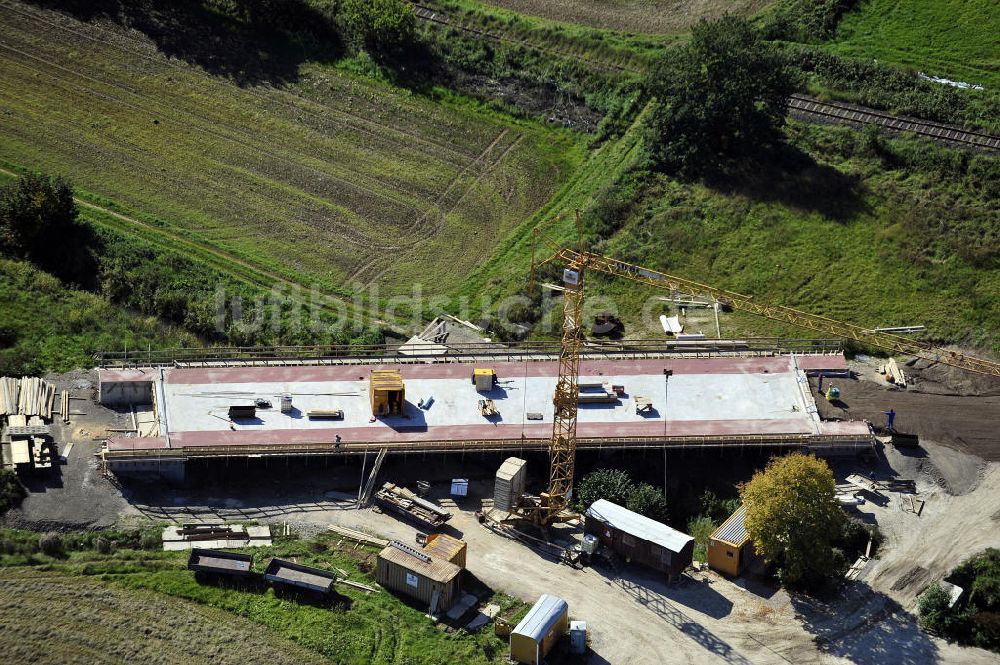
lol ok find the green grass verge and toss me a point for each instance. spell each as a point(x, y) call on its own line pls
point(956, 39)
point(49, 326)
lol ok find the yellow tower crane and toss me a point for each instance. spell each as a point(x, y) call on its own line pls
point(562, 448)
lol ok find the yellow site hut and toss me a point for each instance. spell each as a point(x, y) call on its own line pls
point(730, 549)
point(387, 392)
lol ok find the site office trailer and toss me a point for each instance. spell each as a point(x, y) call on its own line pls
point(412, 576)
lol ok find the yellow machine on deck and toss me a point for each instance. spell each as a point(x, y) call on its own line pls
point(484, 379)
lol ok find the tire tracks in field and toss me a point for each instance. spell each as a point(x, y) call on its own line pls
point(381, 263)
point(224, 257)
point(443, 220)
point(418, 223)
point(347, 231)
point(351, 233)
point(380, 130)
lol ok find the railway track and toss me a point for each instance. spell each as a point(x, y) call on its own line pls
point(859, 115)
point(805, 107)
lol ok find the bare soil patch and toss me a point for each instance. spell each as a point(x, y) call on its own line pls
point(966, 422)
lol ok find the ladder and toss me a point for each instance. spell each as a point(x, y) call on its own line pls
point(366, 493)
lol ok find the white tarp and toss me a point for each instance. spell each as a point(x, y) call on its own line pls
point(671, 325)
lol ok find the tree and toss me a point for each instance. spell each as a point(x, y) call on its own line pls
point(934, 608)
point(33, 207)
point(649, 501)
point(11, 490)
point(700, 528)
point(38, 222)
point(793, 517)
point(379, 25)
point(613, 485)
point(722, 96)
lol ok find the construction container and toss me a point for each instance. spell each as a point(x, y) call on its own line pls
point(286, 403)
point(578, 637)
point(242, 411)
point(459, 486)
point(484, 379)
point(387, 393)
point(291, 574)
point(510, 483)
point(218, 562)
point(408, 571)
point(540, 629)
point(639, 538)
point(730, 549)
point(444, 547)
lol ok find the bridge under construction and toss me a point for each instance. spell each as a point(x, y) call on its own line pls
point(441, 405)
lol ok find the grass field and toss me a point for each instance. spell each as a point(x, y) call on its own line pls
point(60, 618)
point(956, 39)
point(640, 16)
point(337, 180)
point(145, 606)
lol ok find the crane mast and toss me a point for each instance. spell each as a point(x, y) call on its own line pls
point(562, 448)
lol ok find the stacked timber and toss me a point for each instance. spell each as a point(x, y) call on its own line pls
point(9, 390)
point(64, 406)
point(36, 397)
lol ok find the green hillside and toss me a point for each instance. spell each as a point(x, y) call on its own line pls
point(46, 325)
point(956, 39)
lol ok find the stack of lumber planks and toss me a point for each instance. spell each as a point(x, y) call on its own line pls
point(29, 396)
point(64, 406)
point(9, 387)
point(359, 536)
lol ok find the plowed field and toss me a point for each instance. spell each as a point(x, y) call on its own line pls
point(330, 180)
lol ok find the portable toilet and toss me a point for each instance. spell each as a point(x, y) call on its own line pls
point(539, 630)
point(578, 637)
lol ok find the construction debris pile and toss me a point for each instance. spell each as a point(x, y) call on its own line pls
point(28, 396)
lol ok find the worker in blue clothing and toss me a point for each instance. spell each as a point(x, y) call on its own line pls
point(890, 416)
point(821, 383)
